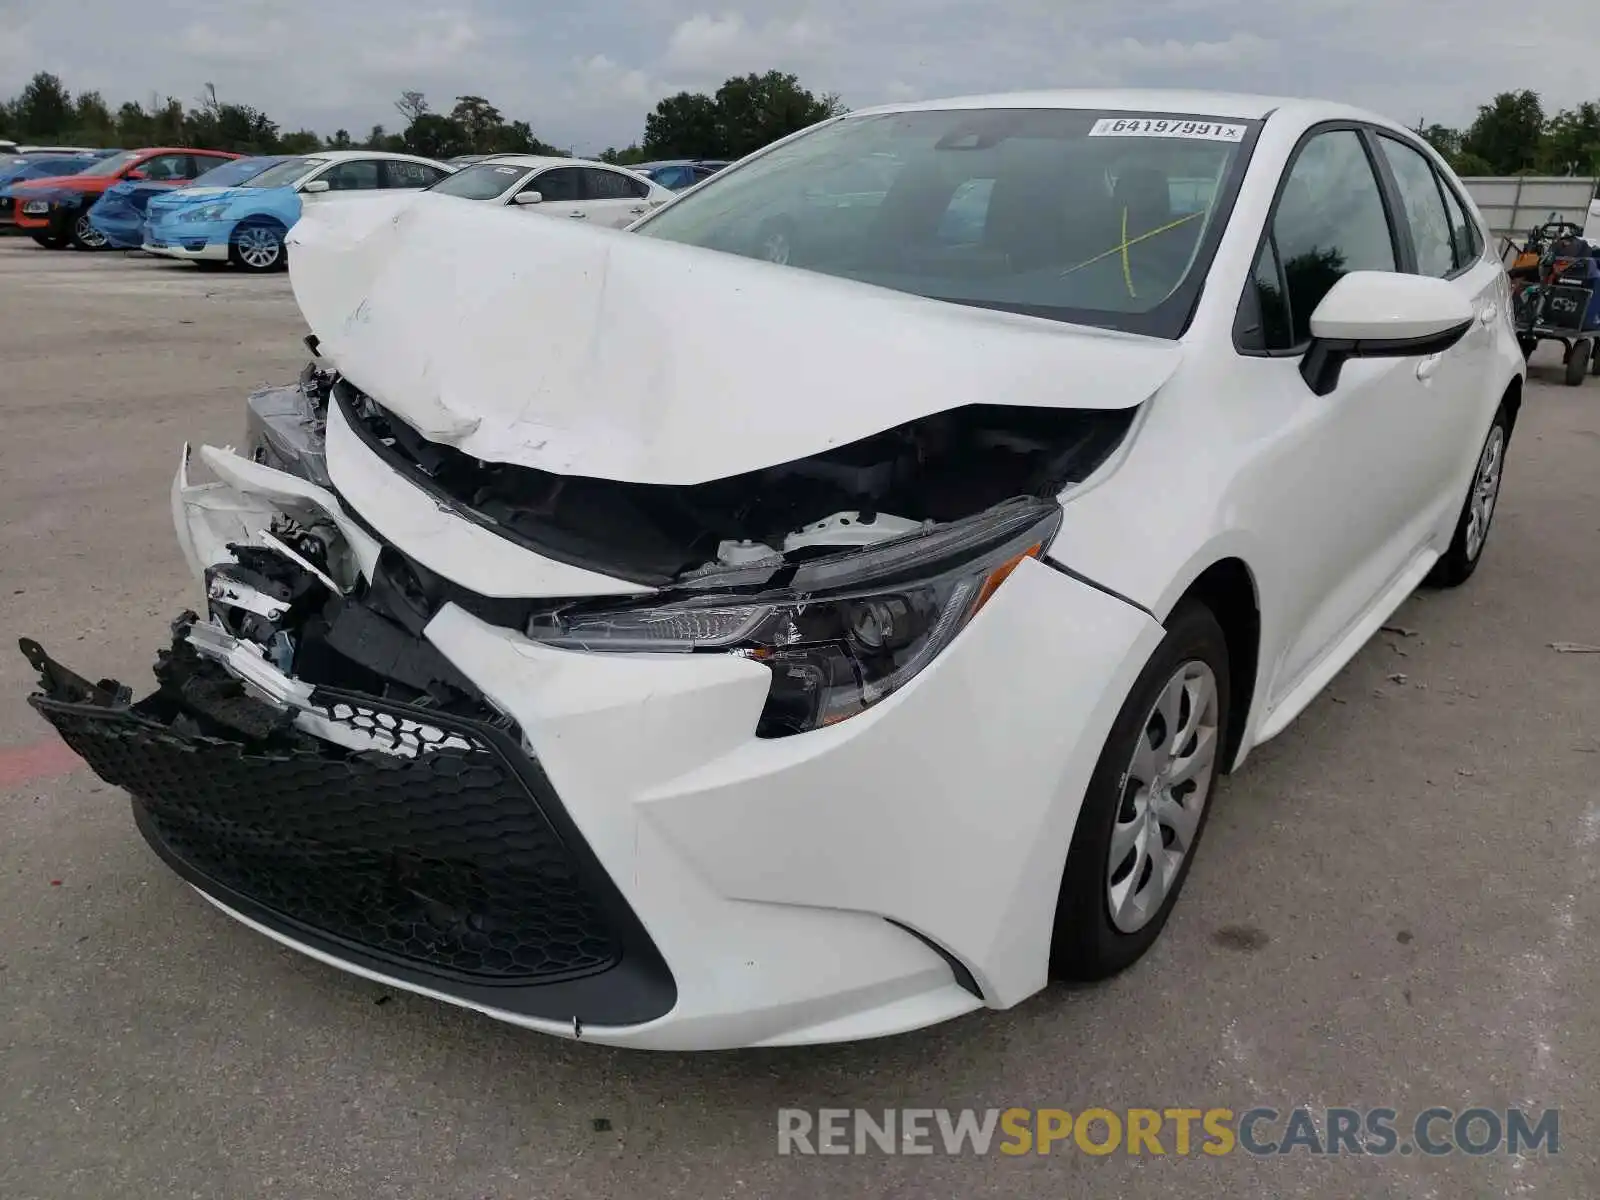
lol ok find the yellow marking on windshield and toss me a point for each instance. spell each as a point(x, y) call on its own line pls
point(1127, 268)
point(1127, 241)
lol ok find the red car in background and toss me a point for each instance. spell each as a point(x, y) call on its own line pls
point(55, 210)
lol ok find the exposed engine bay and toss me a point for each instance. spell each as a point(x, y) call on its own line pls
point(936, 469)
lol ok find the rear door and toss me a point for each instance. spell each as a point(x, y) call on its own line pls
point(1460, 386)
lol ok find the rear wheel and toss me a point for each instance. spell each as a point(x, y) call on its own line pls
point(85, 236)
point(1578, 361)
point(257, 246)
point(1472, 527)
point(1146, 804)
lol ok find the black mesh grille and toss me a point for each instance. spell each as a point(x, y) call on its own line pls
point(443, 859)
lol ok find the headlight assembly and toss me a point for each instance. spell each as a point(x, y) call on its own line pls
point(839, 633)
point(208, 212)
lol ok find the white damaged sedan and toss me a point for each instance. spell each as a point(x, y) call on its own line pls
point(827, 610)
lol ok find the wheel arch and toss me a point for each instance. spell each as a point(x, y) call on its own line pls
point(1227, 587)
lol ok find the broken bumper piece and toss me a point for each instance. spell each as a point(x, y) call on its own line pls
point(440, 857)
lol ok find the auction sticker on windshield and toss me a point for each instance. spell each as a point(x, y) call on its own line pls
point(1205, 131)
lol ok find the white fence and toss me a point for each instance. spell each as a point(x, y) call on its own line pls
point(1514, 204)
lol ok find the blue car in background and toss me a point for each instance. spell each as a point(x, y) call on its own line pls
point(119, 214)
point(246, 225)
point(19, 168)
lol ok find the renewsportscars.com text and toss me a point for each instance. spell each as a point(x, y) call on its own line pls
point(1257, 1131)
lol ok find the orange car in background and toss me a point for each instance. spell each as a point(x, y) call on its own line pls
point(55, 210)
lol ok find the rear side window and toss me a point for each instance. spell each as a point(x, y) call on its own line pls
point(612, 185)
point(398, 173)
point(1425, 215)
point(1329, 221)
point(1463, 229)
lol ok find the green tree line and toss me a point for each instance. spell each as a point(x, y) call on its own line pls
point(1513, 135)
point(744, 114)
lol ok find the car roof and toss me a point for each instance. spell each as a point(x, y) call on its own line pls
point(531, 161)
point(1238, 106)
point(340, 155)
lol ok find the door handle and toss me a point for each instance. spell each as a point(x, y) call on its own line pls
point(577, 214)
point(1487, 316)
point(1428, 366)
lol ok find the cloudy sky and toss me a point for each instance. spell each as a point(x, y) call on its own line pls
point(585, 77)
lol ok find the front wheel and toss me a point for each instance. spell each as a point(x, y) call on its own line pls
point(85, 236)
point(1472, 527)
point(1146, 804)
point(50, 241)
point(257, 246)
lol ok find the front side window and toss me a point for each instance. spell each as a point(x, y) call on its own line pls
point(353, 175)
point(228, 172)
point(1329, 221)
point(1084, 216)
point(1425, 215)
point(165, 168)
point(562, 184)
point(287, 173)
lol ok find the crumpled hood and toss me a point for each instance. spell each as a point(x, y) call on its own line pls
point(526, 339)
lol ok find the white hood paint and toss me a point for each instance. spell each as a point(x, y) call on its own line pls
point(525, 339)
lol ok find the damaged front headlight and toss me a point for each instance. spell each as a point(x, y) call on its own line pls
point(839, 633)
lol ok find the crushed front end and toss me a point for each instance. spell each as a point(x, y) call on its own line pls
point(666, 766)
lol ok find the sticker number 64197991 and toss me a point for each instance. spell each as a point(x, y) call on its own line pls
point(1167, 127)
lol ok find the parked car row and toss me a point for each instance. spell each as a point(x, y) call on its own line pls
point(216, 208)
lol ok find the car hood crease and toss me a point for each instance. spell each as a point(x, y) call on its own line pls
point(530, 340)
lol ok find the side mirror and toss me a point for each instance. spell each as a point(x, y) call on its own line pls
point(1381, 314)
point(134, 174)
point(315, 186)
point(528, 198)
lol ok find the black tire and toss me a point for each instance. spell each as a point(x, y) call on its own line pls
point(50, 241)
point(242, 246)
point(1462, 558)
point(1087, 945)
point(83, 236)
point(1594, 362)
point(1578, 362)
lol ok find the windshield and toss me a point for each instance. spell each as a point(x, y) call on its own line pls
point(286, 173)
point(232, 173)
point(1091, 217)
point(485, 181)
point(110, 166)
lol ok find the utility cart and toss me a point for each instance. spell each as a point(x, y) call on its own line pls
point(1555, 286)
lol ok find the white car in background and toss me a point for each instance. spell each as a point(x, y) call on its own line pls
point(575, 188)
point(247, 225)
point(688, 650)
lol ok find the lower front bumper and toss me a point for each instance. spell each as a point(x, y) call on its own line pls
point(449, 864)
point(203, 241)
